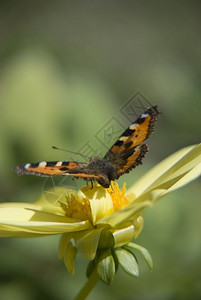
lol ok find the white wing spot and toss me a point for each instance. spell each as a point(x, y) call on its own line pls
point(144, 115)
point(123, 138)
point(27, 166)
point(59, 164)
point(133, 126)
point(42, 164)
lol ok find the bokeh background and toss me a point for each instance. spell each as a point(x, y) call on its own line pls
point(66, 69)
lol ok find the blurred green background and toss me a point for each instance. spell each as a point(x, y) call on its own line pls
point(66, 69)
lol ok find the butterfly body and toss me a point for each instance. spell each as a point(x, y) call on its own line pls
point(103, 167)
point(127, 153)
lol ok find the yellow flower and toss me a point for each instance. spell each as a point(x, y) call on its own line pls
point(100, 223)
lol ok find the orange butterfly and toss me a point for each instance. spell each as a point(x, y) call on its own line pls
point(127, 153)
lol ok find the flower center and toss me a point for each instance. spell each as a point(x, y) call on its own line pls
point(76, 207)
point(118, 196)
point(97, 200)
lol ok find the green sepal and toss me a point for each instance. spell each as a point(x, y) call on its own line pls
point(115, 261)
point(127, 261)
point(143, 251)
point(106, 267)
point(106, 239)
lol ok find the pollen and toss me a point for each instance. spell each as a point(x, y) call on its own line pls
point(76, 207)
point(118, 196)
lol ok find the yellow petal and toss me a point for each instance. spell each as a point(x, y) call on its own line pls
point(10, 232)
point(174, 172)
point(123, 235)
point(100, 202)
point(69, 258)
point(87, 242)
point(16, 218)
point(63, 242)
point(138, 224)
point(67, 251)
point(184, 179)
point(171, 185)
point(125, 214)
point(50, 200)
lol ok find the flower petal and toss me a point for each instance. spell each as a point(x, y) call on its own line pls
point(63, 242)
point(173, 172)
point(51, 199)
point(123, 235)
point(18, 217)
point(87, 242)
point(6, 231)
point(69, 258)
point(138, 224)
point(125, 214)
point(100, 202)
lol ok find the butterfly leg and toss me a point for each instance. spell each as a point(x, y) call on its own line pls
point(112, 188)
point(92, 184)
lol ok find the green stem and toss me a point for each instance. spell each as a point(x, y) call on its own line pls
point(91, 282)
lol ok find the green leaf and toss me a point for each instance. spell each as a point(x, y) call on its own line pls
point(127, 261)
point(143, 251)
point(106, 267)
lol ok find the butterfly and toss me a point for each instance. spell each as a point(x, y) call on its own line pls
point(127, 153)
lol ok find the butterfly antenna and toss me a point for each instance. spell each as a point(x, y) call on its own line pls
point(69, 151)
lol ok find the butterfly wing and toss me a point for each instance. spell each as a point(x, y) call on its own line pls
point(52, 168)
point(124, 155)
point(128, 151)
